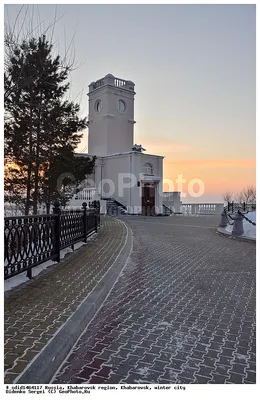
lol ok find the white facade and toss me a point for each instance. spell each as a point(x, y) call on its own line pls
point(128, 179)
point(122, 170)
point(124, 174)
point(173, 201)
point(111, 116)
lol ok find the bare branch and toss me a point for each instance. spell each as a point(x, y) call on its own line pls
point(239, 198)
point(227, 196)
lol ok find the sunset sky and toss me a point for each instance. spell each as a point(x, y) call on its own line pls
point(194, 71)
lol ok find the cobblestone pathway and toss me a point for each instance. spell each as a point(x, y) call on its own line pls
point(36, 311)
point(182, 311)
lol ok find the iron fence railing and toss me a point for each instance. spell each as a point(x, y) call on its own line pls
point(246, 207)
point(33, 240)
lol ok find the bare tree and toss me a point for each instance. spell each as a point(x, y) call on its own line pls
point(27, 25)
point(249, 194)
point(227, 196)
point(240, 198)
point(24, 28)
point(253, 195)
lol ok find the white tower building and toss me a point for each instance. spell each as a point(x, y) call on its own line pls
point(111, 116)
point(134, 179)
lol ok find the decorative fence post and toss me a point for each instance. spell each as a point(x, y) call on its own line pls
point(26, 224)
point(57, 231)
point(98, 210)
point(29, 273)
point(238, 229)
point(96, 215)
point(223, 221)
point(85, 228)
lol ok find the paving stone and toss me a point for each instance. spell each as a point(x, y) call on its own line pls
point(139, 351)
point(209, 362)
point(186, 294)
point(156, 350)
point(159, 366)
point(176, 364)
point(251, 376)
point(218, 379)
point(85, 373)
point(66, 284)
point(151, 358)
point(222, 370)
point(201, 379)
point(10, 377)
point(132, 360)
point(226, 352)
point(114, 379)
point(164, 356)
point(96, 363)
point(97, 379)
point(225, 360)
point(185, 381)
point(187, 372)
point(104, 371)
point(206, 371)
point(198, 355)
point(171, 375)
point(193, 363)
point(238, 368)
point(235, 378)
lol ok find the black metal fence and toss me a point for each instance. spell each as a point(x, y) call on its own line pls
point(33, 240)
point(233, 207)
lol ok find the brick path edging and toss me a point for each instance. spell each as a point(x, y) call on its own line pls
point(46, 363)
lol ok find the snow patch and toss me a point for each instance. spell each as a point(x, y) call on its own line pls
point(249, 229)
point(165, 323)
point(143, 371)
point(172, 374)
point(241, 357)
point(21, 278)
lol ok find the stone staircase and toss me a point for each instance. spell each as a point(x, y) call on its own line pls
point(114, 208)
point(167, 210)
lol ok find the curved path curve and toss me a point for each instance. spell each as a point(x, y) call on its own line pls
point(44, 316)
point(181, 311)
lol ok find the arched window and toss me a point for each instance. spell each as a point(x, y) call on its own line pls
point(97, 105)
point(148, 169)
point(121, 106)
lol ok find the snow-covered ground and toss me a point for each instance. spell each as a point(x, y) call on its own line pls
point(249, 229)
point(21, 278)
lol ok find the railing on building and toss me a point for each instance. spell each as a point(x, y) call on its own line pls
point(202, 208)
point(86, 194)
point(119, 82)
point(111, 80)
point(167, 210)
point(33, 240)
point(116, 82)
point(99, 83)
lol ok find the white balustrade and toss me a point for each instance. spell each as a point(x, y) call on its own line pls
point(202, 208)
point(86, 194)
point(109, 80)
point(119, 82)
